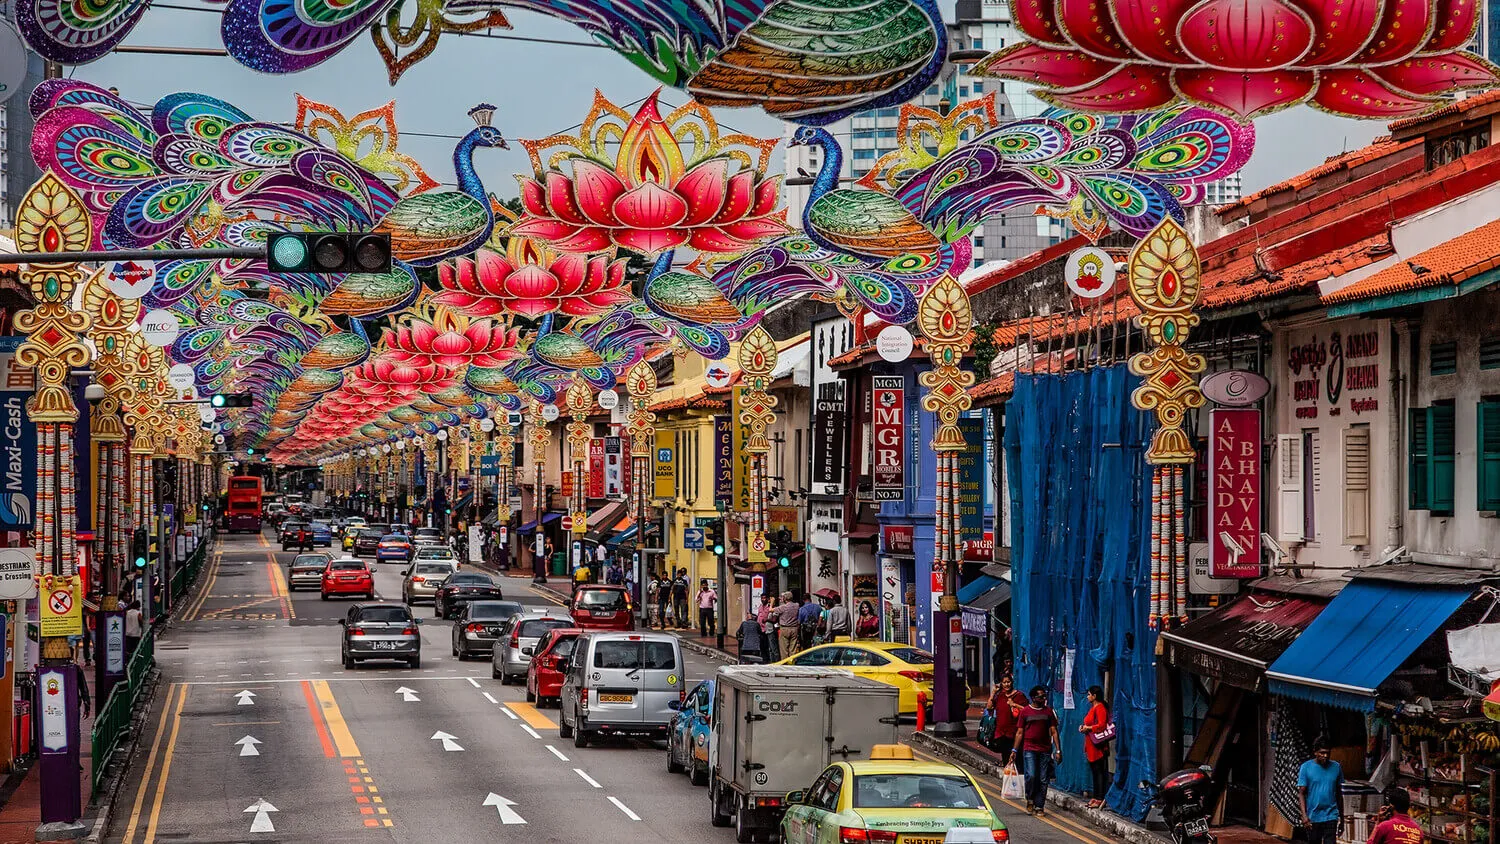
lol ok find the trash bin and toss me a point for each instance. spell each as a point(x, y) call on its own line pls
point(559, 563)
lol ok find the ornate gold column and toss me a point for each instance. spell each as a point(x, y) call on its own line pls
point(429, 470)
point(580, 399)
point(540, 438)
point(640, 383)
point(946, 319)
point(505, 444)
point(111, 318)
point(757, 359)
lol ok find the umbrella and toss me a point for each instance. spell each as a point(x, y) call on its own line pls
point(830, 594)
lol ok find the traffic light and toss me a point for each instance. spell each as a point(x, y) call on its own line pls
point(309, 253)
point(139, 547)
point(231, 400)
point(781, 547)
point(715, 536)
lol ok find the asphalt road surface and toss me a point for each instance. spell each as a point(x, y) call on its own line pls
point(257, 733)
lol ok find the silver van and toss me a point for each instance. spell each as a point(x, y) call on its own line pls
point(623, 684)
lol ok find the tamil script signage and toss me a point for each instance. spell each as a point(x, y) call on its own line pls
point(1338, 370)
point(1234, 483)
point(971, 479)
point(723, 460)
point(888, 430)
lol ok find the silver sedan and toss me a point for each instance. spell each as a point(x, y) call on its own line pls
point(517, 643)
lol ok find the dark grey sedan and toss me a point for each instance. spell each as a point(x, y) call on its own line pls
point(381, 631)
point(479, 624)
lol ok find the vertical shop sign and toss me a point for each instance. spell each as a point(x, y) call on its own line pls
point(596, 467)
point(723, 461)
point(740, 462)
point(17, 441)
point(888, 430)
point(1234, 484)
point(666, 468)
point(830, 416)
point(971, 480)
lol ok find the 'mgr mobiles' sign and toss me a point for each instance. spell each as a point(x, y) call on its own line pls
point(17, 440)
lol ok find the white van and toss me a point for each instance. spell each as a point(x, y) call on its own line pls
point(623, 684)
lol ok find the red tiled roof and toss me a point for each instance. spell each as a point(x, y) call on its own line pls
point(998, 387)
point(1378, 148)
point(1042, 257)
point(1450, 262)
point(1462, 106)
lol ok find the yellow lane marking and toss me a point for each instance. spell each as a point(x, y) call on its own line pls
point(279, 587)
point(243, 723)
point(337, 729)
point(530, 715)
point(546, 597)
point(1071, 828)
point(263, 542)
point(196, 608)
point(166, 769)
point(140, 793)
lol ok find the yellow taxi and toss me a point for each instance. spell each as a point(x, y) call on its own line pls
point(891, 799)
point(350, 532)
point(903, 666)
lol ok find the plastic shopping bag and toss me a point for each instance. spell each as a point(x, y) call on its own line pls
point(1012, 784)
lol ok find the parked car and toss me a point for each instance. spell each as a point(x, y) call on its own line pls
point(601, 607)
point(393, 547)
point(348, 576)
point(322, 533)
point(461, 588)
point(544, 677)
point(479, 624)
point(423, 578)
point(903, 666)
point(687, 745)
point(380, 631)
point(306, 570)
point(518, 642)
point(368, 540)
point(620, 684)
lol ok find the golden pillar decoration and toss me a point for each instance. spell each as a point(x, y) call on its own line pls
point(505, 445)
point(429, 469)
point(640, 385)
point(1164, 279)
point(757, 359)
point(112, 318)
point(52, 218)
point(946, 319)
point(580, 401)
point(540, 438)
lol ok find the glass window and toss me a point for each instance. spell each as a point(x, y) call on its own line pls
point(963, 90)
point(914, 791)
point(979, 241)
point(493, 610)
point(887, 133)
point(817, 656)
point(911, 656)
point(655, 656)
point(397, 614)
point(472, 579)
point(979, 86)
point(601, 599)
point(564, 647)
point(827, 797)
point(532, 628)
point(977, 44)
point(864, 154)
point(863, 134)
point(860, 657)
point(347, 565)
point(886, 112)
point(932, 90)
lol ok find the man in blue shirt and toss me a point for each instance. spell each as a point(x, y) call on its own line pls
point(1320, 781)
point(807, 621)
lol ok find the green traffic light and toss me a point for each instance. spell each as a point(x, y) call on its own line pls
point(288, 251)
point(718, 549)
point(249, 451)
point(217, 400)
point(140, 562)
point(786, 562)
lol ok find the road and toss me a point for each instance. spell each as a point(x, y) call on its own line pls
point(258, 733)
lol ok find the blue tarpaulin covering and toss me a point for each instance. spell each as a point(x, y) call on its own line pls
point(1363, 635)
point(977, 587)
point(1080, 502)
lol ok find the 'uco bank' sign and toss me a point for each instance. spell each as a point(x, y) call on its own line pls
point(1234, 485)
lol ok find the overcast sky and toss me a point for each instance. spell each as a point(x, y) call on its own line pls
point(540, 89)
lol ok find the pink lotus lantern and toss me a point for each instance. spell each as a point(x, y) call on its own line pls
point(452, 342)
point(532, 280)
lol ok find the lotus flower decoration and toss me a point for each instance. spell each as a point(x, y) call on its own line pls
point(531, 279)
point(671, 182)
point(387, 377)
point(455, 342)
point(1358, 58)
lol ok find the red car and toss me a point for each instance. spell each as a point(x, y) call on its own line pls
point(348, 577)
point(544, 677)
point(602, 608)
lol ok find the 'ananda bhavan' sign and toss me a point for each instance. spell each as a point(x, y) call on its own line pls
point(1234, 485)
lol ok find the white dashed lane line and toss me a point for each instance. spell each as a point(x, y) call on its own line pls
point(626, 809)
point(531, 732)
point(586, 778)
point(557, 753)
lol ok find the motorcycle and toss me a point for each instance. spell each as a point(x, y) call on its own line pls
point(1183, 798)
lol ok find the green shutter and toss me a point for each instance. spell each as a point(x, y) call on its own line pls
point(1488, 440)
point(1440, 452)
point(1416, 459)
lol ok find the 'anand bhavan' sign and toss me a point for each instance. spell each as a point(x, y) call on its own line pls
point(888, 393)
point(1234, 484)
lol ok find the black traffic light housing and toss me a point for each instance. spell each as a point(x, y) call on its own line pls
point(311, 253)
point(714, 536)
point(140, 546)
point(231, 400)
point(781, 547)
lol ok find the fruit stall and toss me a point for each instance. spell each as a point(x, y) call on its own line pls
point(1447, 761)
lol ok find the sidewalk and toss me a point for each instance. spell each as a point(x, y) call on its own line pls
point(21, 794)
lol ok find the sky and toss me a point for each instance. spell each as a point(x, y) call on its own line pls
point(539, 89)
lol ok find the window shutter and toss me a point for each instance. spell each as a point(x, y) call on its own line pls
point(1357, 485)
point(1289, 488)
point(1488, 436)
point(1440, 452)
point(1416, 459)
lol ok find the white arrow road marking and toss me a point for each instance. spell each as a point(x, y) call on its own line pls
point(586, 778)
point(557, 753)
point(262, 822)
point(408, 695)
point(626, 809)
point(503, 806)
point(246, 697)
point(447, 740)
point(247, 746)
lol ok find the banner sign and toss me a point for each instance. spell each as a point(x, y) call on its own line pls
point(489, 466)
point(898, 540)
point(596, 467)
point(1234, 484)
point(971, 479)
point(723, 460)
point(829, 447)
point(740, 462)
point(614, 467)
point(18, 469)
point(666, 469)
point(888, 395)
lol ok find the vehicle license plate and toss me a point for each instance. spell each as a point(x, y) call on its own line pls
point(602, 613)
point(920, 839)
point(603, 698)
point(1196, 826)
point(384, 646)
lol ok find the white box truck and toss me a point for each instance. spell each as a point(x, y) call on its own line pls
point(774, 728)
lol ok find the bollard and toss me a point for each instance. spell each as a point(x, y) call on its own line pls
point(921, 711)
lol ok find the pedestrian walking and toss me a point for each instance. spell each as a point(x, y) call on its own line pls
point(653, 598)
point(581, 576)
point(867, 625)
point(837, 621)
point(808, 617)
point(1006, 704)
point(752, 644)
point(1320, 781)
point(1095, 750)
point(1038, 745)
point(133, 630)
point(787, 626)
point(680, 599)
point(664, 598)
point(766, 615)
point(707, 600)
point(1394, 825)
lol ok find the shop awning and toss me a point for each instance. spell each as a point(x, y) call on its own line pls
point(1236, 643)
point(464, 501)
point(603, 521)
point(863, 533)
point(621, 537)
point(984, 593)
point(1363, 635)
point(547, 519)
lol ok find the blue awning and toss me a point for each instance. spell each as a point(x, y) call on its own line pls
point(1360, 638)
point(547, 519)
point(463, 502)
point(622, 537)
point(973, 589)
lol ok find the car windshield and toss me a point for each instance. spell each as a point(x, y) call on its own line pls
point(434, 553)
point(397, 614)
point(660, 656)
point(911, 656)
point(601, 599)
point(432, 532)
point(914, 791)
point(434, 568)
point(320, 526)
point(310, 560)
point(471, 580)
point(347, 565)
point(533, 628)
point(369, 534)
point(493, 610)
point(564, 647)
point(391, 537)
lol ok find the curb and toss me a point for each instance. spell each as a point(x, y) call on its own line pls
point(139, 721)
point(1119, 828)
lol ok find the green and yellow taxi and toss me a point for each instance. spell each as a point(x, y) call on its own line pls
point(351, 532)
point(891, 798)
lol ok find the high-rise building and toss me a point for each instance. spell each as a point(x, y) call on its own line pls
point(17, 171)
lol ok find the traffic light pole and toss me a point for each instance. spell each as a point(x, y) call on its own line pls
point(103, 255)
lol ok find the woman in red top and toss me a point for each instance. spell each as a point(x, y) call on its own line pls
point(1098, 756)
point(1007, 701)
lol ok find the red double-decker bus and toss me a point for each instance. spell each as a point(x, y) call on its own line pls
point(244, 504)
